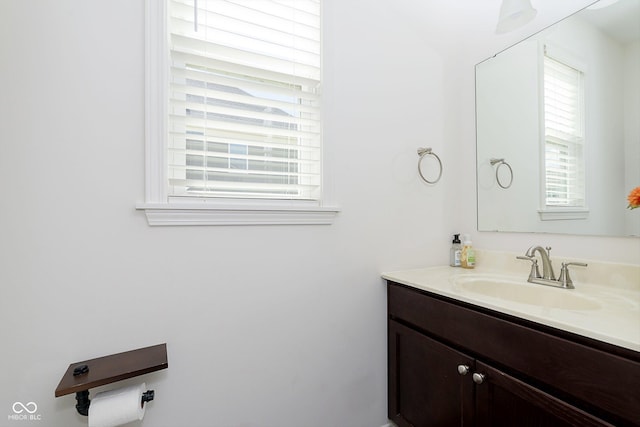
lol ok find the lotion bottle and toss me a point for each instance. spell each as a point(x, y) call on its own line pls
point(468, 255)
point(454, 253)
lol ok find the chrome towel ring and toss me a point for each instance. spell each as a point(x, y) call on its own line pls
point(501, 162)
point(422, 152)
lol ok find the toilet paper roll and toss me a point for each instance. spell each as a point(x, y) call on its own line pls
point(116, 407)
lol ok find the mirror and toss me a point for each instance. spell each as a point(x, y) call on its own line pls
point(562, 160)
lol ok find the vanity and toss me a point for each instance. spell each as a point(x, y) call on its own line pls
point(476, 348)
point(485, 347)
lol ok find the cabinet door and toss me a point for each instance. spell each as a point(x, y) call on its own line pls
point(425, 387)
point(503, 401)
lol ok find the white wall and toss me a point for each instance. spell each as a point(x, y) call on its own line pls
point(632, 128)
point(508, 124)
point(265, 326)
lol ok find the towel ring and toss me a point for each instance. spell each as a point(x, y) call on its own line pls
point(501, 162)
point(422, 152)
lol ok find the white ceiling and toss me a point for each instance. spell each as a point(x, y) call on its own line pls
point(620, 20)
point(467, 27)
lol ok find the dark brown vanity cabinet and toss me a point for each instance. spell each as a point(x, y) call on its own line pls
point(451, 364)
point(425, 388)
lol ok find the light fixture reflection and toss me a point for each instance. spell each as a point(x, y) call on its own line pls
point(514, 14)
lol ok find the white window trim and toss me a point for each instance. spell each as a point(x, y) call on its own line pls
point(160, 210)
point(562, 213)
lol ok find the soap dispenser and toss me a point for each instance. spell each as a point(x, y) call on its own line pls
point(454, 253)
point(468, 254)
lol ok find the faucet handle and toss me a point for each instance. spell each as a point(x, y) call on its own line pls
point(535, 272)
point(564, 278)
point(580, 264)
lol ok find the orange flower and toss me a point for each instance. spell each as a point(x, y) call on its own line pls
point(634, 198)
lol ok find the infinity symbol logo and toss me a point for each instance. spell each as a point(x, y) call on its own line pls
point(22, 407)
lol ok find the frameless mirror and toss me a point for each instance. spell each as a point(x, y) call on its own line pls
point(558, 127)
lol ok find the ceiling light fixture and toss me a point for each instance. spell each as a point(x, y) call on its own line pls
point(514, 14)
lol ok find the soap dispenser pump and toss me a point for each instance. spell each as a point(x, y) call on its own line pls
point(454, 253)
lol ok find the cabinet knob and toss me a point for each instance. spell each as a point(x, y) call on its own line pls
point(478, 378)
point(463, 369)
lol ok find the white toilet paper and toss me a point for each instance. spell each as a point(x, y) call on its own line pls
point(116, 407)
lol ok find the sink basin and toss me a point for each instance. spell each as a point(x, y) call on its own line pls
point(526, 293)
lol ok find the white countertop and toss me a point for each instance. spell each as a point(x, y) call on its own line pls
point(615, 318)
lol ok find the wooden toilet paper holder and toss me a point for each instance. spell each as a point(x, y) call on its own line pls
point(81, 376)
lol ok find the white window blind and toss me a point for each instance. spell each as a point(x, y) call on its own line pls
point(564, 135)
point(244, 107)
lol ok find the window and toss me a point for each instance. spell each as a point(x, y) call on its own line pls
point(564, 177)
point(238, 108)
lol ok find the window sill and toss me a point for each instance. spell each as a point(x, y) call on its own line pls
point(164, 214)
point(563, 214)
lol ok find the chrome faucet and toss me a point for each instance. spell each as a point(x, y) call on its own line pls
point(548, 277)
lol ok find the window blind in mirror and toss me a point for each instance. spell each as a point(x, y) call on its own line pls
point(564, 134)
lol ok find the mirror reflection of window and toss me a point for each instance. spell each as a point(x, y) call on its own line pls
point(564, 177)
point(604, 45)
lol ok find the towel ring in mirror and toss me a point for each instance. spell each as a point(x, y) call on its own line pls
point(422, 152)
point(501, 162)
